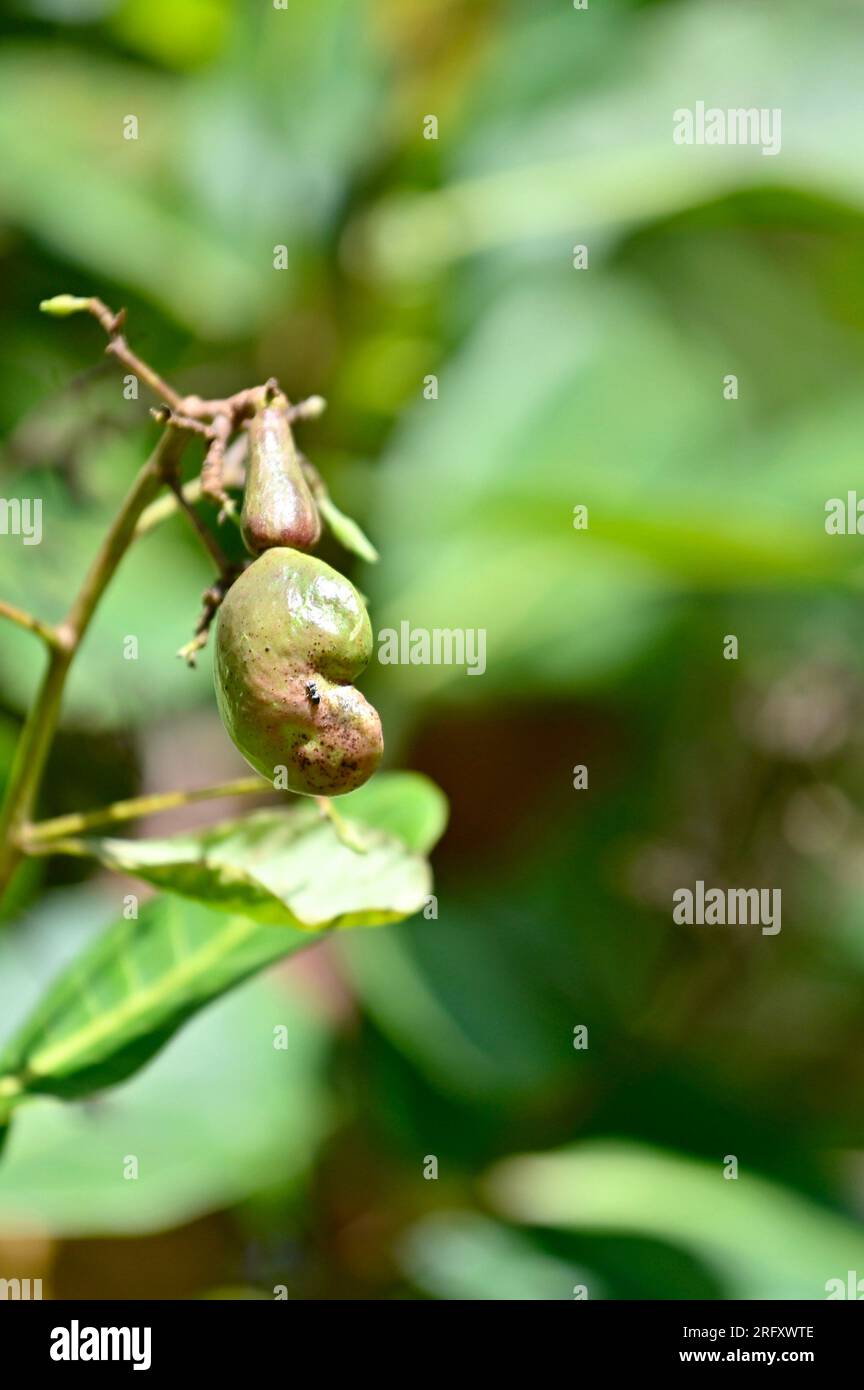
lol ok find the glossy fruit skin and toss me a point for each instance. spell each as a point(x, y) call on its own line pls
point(278, 507)
point(292, 635)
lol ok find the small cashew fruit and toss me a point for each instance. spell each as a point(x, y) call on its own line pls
point(278, 506)
point(292, 635)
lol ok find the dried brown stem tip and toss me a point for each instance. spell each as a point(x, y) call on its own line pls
point(212, 599)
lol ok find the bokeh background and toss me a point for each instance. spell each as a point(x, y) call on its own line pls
point(453, 1037)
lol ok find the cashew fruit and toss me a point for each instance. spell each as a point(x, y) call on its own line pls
point(278, 506)
point(292, 635)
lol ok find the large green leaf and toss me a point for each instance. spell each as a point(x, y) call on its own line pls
point(291, 867)
point(405, 804)
point(764, 1241)
point(220, 1115)
point(604, 148)
point(115, 1005)
point(125, 996)
point(565, 608)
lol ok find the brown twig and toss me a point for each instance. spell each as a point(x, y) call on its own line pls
point(212, 473)
point(237, 407)
point(234, 475)
point(163, 414)
point(118, 347)
point(208, 540)
point(212, 600)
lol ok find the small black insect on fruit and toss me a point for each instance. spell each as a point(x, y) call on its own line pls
point(312, 692)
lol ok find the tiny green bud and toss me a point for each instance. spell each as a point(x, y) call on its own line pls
point(312, 408)
point(64, 304)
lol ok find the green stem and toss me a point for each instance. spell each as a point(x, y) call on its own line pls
point(160, 466)
point(41, 723)
point(29, 623)
point(234, 475)
point(38, 838)
point(347, 833)
point(166, 507)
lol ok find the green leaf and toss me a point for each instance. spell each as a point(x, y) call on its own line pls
point(405, 804)
point(462, 1255)
point(220, 1115)
point(115, 1006)
point(290, 867)
point(764, 1241)
point(347, 531)
point(515, 174)
point(420, 987)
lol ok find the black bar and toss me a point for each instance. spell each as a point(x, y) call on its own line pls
point(254, 1336)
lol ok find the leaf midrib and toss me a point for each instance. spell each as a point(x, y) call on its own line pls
point(62, 1052)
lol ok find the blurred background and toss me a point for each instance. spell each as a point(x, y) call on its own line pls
point(558, 1167)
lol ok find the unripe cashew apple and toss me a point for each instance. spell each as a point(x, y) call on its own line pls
point(278, 507)
point(292, 635)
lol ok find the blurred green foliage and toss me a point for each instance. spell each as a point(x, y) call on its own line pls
point(407, 257)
